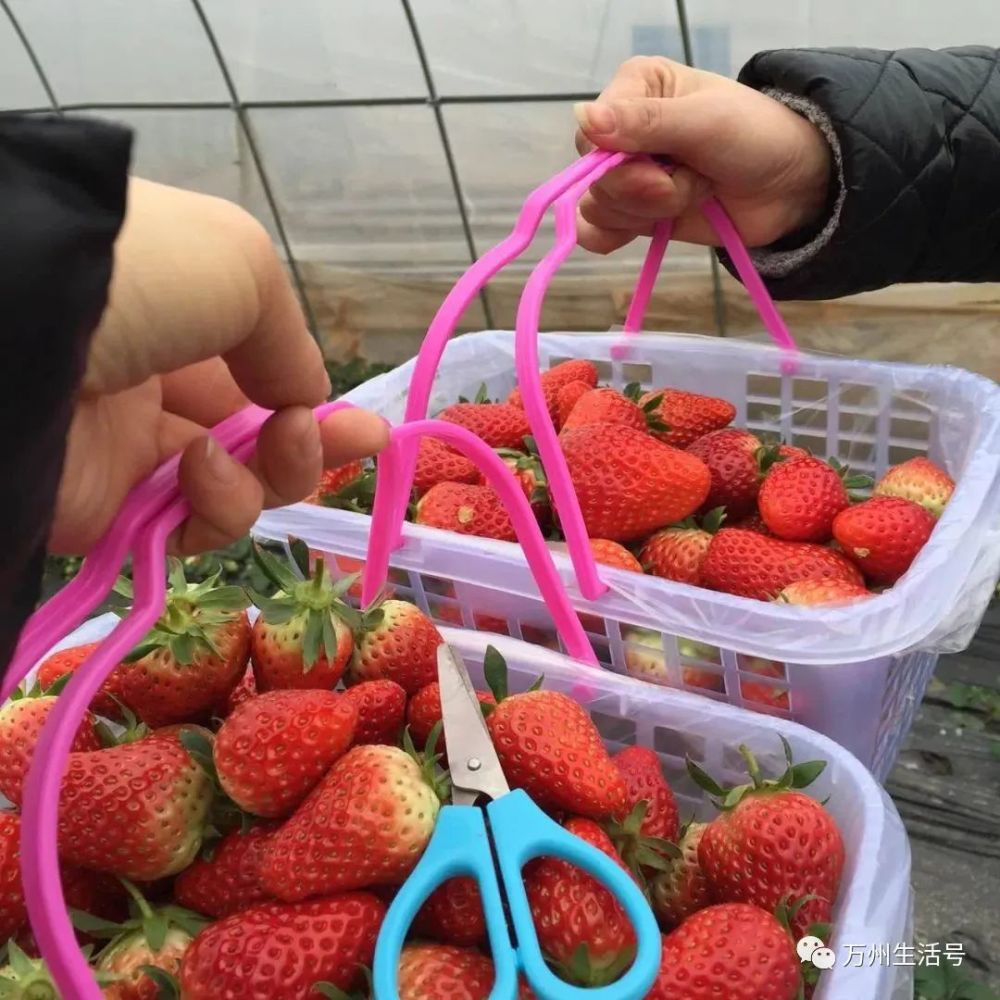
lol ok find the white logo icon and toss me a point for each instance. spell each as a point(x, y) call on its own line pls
point(812, 949)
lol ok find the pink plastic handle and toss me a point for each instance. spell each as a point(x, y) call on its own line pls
point(536, 552)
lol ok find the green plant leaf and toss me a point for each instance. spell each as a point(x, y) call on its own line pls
point(94, 926)
point(311, 639)
point(300, 555)
point(275, 570)
point(155, 927)
point(329, 635)
point(704, 780)
point(495, 671)
point(806, 773)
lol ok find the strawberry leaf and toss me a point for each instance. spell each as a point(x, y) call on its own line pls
point(277, 572)
point(311, 639)
point(275, 611)
point(123, 588)
point(175, 576)
point(166, 985)
point(300, 555)
point(155, 928)
point(495, 670)
point(704, 780)
point(803, 775)
point(536, 684)
point(329, 635)
point(57, 686)
point(94, 926)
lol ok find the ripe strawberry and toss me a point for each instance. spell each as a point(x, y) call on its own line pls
point(751, 565)
point(768, 695)
point(244, 691)
point(606, 406)
point(919, 480)
point(567, 398)
point(883, 535)
point(681, 888)
point(67, 661)
point(678, 552)
point(609, 553)
point(645, 659)
point(771, 844)
point(397, 641)
point(446, 972)
point(469, 510)
point(500, 425)
point(549, 746)
point(580, 924)
point(555, 379)
point(228, 880)
point(734, 951)
point(686, 416)
point(453, 914)
point(273, 750)
point(137, 810)
point(809, 593)
point(381, 708)
point(13, 913)
point(732, 459)
point(21, 722)
point(365, 824)
point(194, 655)
point(628, 483)
point(282, 951)
point(644, 782)
point(437, 462)
point(424, 712)
point(302, 638)
point(333, 481)
point(753, 522)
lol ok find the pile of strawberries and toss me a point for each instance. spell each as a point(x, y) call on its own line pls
point(243, 800)
point(667, 487)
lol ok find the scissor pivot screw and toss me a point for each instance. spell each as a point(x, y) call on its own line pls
point(474, 764)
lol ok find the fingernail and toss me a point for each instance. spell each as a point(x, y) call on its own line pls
point(595, 118)
point(219, 464)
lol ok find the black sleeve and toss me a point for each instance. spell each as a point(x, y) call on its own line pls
point(919, 133)
point(62, 201)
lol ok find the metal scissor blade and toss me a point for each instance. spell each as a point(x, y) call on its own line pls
point(474, 765)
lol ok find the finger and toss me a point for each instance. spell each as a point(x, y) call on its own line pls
point(609, 216)
point(205, 393)
point(649, 192)
point(350, 434)
point(602, 241)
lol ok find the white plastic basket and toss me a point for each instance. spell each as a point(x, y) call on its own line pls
point(856, 674)
point(875, 901)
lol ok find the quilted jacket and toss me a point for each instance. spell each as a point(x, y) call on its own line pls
point(919, 138)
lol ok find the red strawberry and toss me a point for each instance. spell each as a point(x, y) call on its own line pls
point(437, 462)
point(605, 406)
point(628, 483)
point(681, 888)
point(453, 914)
point(67, 661)
point(21, 722)
point(194, 656)
point(732, 459)
point(772, 845)
point(424, 712)
point(556, 378)
point(751, 565)
point(244, 691)
point(609, 553)
point(921, 481)
point(365, 824)
point(883, 535)
point(733, 951)
point(567, 398)
point(446, 972)
point(527, 469)
point(137, 810)
point(302, 638)
point(273, 750)
point(686, 416)
point(809, 593)
point(399, 642)
point(500, 425)
point(580, 924)
point(229, 880)
point(13, 913)
point(753, 522)
point(381, 707)
point(644, 782)
point(768, 695)
point(678, 552)
point(333, 481)
point(469, 510)
point(281, 951)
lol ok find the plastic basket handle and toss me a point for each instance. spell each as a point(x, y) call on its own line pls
point(526, 350)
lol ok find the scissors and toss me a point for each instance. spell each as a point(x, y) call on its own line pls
point(492, 844)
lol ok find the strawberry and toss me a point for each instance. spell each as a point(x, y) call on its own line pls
point(365, 824)
point(228, 880)
point(396, 641)
point(333, 481)
point(281, 951)
point(302, 638)
point(606, 406)
point(137, 810)
point(580, 925)
point(438, 462)
point(609, 553)
point(67, 661)
point(799, 498)
point(734, 951)
point(558, 376)
point(629, 484)
point(810, 593)
point(678, 552)
point(686, 416)
point(644, 782)
point(381, 708)
point(768, 695)
point(446, 972)
point(500, 425)
point(771, 844)
point(527, 469)
point(13, 913)
point(273, 750)
point(27, 978)
point(453, 914)
point(753, 522)
point(681, 888)
point(645, 659)
point(549, 746)
point(883, 535)
point(567, 398)
point(194, 655)
point(244, 691)
point(919, 480)
point(21, 722)
point(752, 565)
point(469, 510)
point(424, 712)
point(732, 459)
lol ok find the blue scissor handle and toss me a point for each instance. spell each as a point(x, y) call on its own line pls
point(521, 832)
point(458, 846)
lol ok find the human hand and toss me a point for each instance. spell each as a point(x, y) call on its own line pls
point(201, 320)
point(768, 166)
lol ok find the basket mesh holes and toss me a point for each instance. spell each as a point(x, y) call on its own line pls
point(763, 387)
point(903, 453)
point(809, 390)
point(763, 416)
point(814, 445)
point(446, 612)
point(539, 636)
point(763, 683)
point(673, 743)
point(810, 418)
point(910, 431)
point(635, 372)
point(436, 585)
point(556, 360)
point(858, 394)
point(614, 728)
point(698, 652)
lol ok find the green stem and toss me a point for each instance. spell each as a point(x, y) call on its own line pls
point(140, 900)
point(752, 766)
